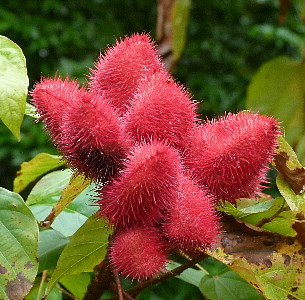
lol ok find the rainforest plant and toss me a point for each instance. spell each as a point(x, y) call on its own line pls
point(133, 131)
point(163, 182)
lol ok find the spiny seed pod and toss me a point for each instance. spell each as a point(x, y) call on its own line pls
point(93, 140)
point(192, 221)
point(118, 72)
point(230, 156)
point(50, 97)
point(161, 110)
point(145, 188)
point(138, 253)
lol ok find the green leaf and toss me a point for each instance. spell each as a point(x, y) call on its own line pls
point(295, 202)
point(14, 84)
point(179, 21)
point(31, 111)
point(223, 283)
point(67, 223)
point(76, 284)
point(55, 294)
point(31, 170)
point(50, 186)
point(18, 246)
point(76, 185)
point(84, 202)
point(51, 244)
point(268, 214)
point(277, 89)
point(86, 249)
point(190, 275)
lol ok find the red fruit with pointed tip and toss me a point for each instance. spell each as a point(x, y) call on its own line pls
point(145, 188)
point(118, 72)
point(230, 156)
point(138, 253)
point(192, 221)
point(161, 110)
point(93, 138)
point(50, 97)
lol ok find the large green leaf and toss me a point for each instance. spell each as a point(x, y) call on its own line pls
point(86, 249)
point(76, 284)
point(31, 170)
point(51, 244)
point(190, 275)
point(13, 85)
point(277, 89)
point(18, 246)
point(216, 281)
point(50, 186)
point(223, 283)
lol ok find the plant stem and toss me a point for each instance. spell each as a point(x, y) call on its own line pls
point(100, 283)
point(118, 285)
point(134, 291)
point(43, 279)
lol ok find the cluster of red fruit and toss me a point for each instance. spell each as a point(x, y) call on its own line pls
point(134, 130)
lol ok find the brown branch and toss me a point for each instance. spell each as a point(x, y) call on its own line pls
point(43, 279)
point(100, 283)
point(118, 285)
point(67, 293)
point(134, 291)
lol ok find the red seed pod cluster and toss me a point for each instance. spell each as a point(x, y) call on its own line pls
point(133, 130)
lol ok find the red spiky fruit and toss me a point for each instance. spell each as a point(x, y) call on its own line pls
point(230, 156)
point(138, 253)
point(93, 139)
point(118, 72)
point(50, 97)
point(192, 221)
point(161, 110)
point(145, 188)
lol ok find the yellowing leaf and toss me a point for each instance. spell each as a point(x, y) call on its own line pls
point(39, 165)
point(13, 85)
point(288, 165)
point(273, 264)
point(76, 185)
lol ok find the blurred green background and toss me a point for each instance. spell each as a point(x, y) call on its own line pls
point(226, 43)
